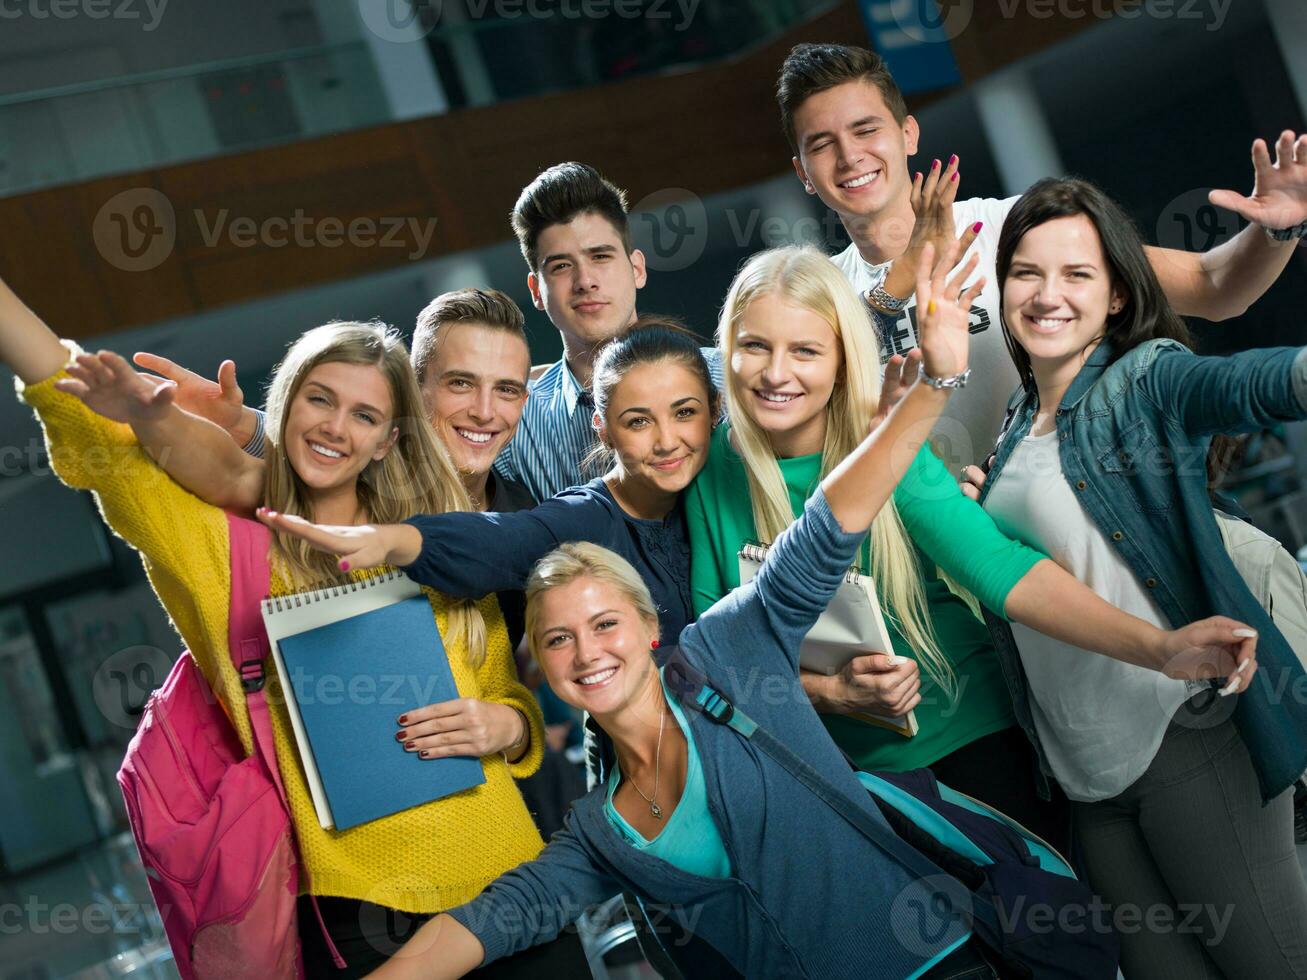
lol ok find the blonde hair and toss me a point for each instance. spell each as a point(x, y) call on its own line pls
point(807, 278)
point(568, 562)
point(415, 477)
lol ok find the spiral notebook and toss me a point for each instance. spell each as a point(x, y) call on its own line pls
point(851, 626)
point(352, 658)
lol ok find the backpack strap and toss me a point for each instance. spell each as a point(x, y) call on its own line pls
point(692, 688)
point(247, 643)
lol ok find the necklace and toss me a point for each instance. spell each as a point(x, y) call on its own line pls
point(654, 808)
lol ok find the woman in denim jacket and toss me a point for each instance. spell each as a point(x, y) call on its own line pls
point(1182, 801)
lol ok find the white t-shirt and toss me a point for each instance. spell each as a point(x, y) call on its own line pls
point(1100, 720)
point(970, 425)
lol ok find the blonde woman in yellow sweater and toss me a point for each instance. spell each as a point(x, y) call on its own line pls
point(348, 445)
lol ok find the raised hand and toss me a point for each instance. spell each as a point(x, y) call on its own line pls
point(111, 387)
point(356, 546)
point(943, 308)
point(1213, 647)
point(900, 375)
point(932, 197)
point(1279, 197)
point(218, 401)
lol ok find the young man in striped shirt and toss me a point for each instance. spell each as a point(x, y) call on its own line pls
point(571, 225)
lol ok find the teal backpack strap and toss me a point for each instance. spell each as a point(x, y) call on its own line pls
point(693, 688)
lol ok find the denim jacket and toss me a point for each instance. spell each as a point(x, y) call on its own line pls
point(1133, 437)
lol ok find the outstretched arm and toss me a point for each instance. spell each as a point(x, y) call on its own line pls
point(193, 451)
point(221, 402)
point(1223, 282)
point(27, 345)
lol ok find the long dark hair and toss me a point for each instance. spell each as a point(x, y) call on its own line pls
point(1147, 313)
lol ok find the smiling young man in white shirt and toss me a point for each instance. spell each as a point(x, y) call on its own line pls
point(852, 136)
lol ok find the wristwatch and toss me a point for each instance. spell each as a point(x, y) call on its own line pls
point(943, 384)
point(882, 299)
point(1286, 234)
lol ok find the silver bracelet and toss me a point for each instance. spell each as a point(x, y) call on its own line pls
point(943, 384)
point(522, 742)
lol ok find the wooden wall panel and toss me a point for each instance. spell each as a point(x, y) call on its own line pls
point(706, 130)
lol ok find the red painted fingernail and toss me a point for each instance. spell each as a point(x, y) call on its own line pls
point(954, 178)
point(425, 754)
point(400, 736)
point(953, 159)
point(977, 226)
point(344, 566)
point(410, 745)
point(402, 720)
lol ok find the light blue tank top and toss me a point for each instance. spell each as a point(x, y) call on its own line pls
point(690, 840)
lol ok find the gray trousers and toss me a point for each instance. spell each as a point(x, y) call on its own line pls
point(1202, 879)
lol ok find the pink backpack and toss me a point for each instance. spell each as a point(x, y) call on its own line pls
point(211, 824)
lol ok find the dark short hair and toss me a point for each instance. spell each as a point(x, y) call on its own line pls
point(561, 194)
point(810, 69)
point(483, 307)
point(1147, 313)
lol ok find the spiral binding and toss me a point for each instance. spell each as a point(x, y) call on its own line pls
point(324, 592)
point(756, 552)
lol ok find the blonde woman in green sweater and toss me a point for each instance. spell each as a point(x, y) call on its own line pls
point(802, 370)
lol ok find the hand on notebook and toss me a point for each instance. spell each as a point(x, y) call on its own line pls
point(357, 546)
point(465, 726)
point(878, 683)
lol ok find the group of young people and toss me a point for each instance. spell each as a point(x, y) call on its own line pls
point(1070, 642)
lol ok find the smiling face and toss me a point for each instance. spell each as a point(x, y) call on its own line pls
point(338, 421)
point(474, 388)
point(785, 362)
point(593, 645)
point(852, 150)
point(659, 423)
point(586, 282)
point(1059, 292)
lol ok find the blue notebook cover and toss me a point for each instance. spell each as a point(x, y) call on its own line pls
point(351, 679)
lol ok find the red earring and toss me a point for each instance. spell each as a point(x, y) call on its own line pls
point(653, 645)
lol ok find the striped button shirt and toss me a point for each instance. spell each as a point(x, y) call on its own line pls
point(555, 434)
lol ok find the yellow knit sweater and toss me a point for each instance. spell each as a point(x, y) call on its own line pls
point(425, 859)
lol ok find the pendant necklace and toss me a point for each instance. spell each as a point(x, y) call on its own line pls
point(654, 808)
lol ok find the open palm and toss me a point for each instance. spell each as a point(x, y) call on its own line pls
point(1279, 197)
point(111, 387)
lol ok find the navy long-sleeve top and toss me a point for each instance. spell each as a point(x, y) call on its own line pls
point(472, 554)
